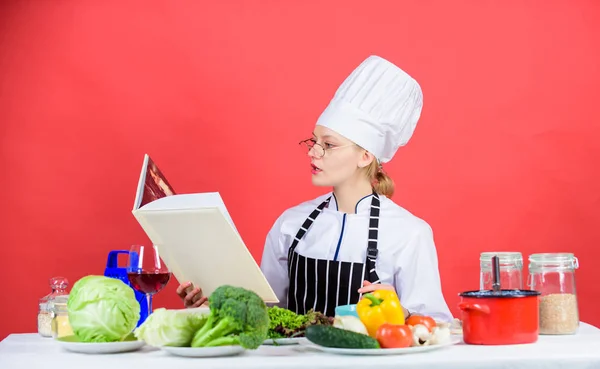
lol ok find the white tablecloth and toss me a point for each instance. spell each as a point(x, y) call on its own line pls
point(29, 351)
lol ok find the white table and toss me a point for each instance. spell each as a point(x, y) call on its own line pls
point(29, 351)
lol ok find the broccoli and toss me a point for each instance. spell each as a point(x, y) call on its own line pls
point(237, 317)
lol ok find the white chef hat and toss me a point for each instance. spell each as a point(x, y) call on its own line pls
point(377, 107)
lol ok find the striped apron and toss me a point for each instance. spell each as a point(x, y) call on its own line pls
point(324, 284)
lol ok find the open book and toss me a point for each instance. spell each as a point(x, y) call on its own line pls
point(195, 236)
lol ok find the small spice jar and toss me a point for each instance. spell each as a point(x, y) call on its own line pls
point(58, 285)
point(60, 317)
point(553, 275)
point(44, 319)
point(511, 270)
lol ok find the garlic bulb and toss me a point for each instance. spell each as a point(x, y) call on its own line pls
point(421, 335)
point(350, 323)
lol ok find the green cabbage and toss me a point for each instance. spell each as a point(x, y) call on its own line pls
point(102, 309)
point(170, 328)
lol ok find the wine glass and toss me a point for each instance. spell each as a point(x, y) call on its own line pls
point(146, 271)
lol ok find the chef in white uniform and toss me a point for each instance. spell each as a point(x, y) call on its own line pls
point(330, 250)
point(326, 252)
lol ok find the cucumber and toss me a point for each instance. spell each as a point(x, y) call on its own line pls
point(329, 336)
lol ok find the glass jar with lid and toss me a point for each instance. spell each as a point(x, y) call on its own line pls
point(553, 275)
point(511, 270)
point(60, 317)
point(58, 286)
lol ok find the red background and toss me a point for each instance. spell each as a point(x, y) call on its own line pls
point(220, 93)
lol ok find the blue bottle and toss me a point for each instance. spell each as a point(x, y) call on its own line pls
point(113, 271)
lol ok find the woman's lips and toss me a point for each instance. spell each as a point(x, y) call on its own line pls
point(315, 169)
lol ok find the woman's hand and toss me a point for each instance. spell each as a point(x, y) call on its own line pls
point(370, 287)
point(190, 295)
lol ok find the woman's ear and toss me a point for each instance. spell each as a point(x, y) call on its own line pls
point(366, 158)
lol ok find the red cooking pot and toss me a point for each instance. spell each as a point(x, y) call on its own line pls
point(501, 317)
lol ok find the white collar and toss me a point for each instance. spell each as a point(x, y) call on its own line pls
point(363, 205)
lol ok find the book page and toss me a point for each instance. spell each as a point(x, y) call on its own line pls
point(202, 246)
point(208, 200)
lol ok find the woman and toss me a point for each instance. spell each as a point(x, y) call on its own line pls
point(329, 251)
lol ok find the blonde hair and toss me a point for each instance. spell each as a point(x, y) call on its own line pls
point(381, 182)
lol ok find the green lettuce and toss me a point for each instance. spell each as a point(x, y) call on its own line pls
point(284, 322)
point(170, 328)
point(102, 309)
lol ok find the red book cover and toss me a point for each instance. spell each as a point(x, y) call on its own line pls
point(152, 184)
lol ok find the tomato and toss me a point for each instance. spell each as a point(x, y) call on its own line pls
point(394, 336)
point(427, 321)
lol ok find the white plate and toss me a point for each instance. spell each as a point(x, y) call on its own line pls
point(284, 341)
point(204, 351)
point(71, 343)
point(395, 351)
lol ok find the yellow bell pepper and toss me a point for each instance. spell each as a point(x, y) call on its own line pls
point(379, 307)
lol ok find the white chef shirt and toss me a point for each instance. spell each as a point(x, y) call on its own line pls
point(407, 257)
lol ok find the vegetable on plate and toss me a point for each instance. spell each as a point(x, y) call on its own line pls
point(440, 335)
point(330, 336)
point(350, 323)
point(237, 317)
point(421, 335)
point(394, 336)
point(379, 307)
point(102, 309)
point(427, 321)
point(170, 328)
point(348, 332)
point(284, 323)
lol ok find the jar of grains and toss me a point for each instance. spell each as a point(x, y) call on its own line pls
point(553, 275)
point(58, 285)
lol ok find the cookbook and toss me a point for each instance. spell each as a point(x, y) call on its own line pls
point(195, 235)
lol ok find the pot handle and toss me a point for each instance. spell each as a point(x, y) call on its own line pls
point(474, 307)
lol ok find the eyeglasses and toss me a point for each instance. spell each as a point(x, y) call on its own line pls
point(319, 150)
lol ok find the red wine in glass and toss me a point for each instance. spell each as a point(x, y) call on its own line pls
point(149, 282)
point(146, 271)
